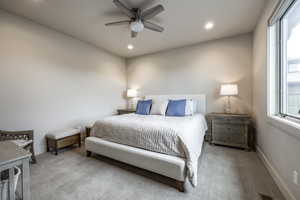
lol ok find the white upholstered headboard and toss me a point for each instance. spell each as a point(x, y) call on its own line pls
point(199, 98)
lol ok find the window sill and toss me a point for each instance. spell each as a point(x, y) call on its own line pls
point(286, 125)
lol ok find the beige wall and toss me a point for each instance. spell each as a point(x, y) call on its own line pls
point(198, 69)
point(50, 81)
point(281, 149)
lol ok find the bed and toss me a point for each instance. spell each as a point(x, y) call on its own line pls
point(169, 146)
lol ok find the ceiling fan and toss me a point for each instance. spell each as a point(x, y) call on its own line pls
point(138, 18)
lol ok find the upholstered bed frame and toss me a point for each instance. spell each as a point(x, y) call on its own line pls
point(166, 165)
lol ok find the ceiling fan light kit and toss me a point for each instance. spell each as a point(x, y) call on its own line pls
point(137, 26)
point(138, 18)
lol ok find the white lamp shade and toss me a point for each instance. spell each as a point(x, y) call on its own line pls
point(131, 93)
point(229, 90)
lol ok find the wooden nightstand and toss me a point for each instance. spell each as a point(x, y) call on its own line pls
point(230, 130)
point(88, 130)
point(125, 111)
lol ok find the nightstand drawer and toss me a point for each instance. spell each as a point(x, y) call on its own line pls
point(229, 138)
point(230, 120)
point(228, 133)
point(228, 128)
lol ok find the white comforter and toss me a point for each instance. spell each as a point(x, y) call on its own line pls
point(177, 136)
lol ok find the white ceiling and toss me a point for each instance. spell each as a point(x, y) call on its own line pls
point(183, 21)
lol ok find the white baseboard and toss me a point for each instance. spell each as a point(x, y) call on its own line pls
point(275, 175)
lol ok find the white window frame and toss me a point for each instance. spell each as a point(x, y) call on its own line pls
point(275, 99)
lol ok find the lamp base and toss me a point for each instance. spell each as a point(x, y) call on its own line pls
point(227, 111)
point(132, 104)
point(227, 107)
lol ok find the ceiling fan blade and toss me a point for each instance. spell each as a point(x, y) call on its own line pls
point(152, 12)
point(134, 34)
point(146, 4)
point(124, 8)
point(125, 22)
point(153, 27)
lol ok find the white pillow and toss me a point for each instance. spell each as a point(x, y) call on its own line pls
point(159, 107)
point(195, 105)
point(189, 107)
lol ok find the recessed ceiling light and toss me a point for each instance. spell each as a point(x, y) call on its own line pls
point(209, 25)
point(130, 47)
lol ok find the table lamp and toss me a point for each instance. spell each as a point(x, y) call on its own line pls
point(131, 94)
point(228, 90)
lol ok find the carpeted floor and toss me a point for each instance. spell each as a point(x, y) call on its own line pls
point(224, 174)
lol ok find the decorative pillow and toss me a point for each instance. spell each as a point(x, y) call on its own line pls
point(143, 107)
point(176, 108)
point(159, 107)
point(189, 108)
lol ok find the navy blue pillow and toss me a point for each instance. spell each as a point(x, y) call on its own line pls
point(144, 107)
point(176, 108)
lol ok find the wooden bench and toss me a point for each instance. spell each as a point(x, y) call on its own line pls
point(60, 139)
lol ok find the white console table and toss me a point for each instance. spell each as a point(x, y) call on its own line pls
point(13, 156)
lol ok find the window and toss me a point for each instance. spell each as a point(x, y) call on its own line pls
point(285, 52)
point(294, 66)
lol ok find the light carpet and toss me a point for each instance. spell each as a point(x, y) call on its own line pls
point(224, 174)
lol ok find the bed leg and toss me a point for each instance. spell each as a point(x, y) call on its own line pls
point(180, 186)
point(88, 153)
